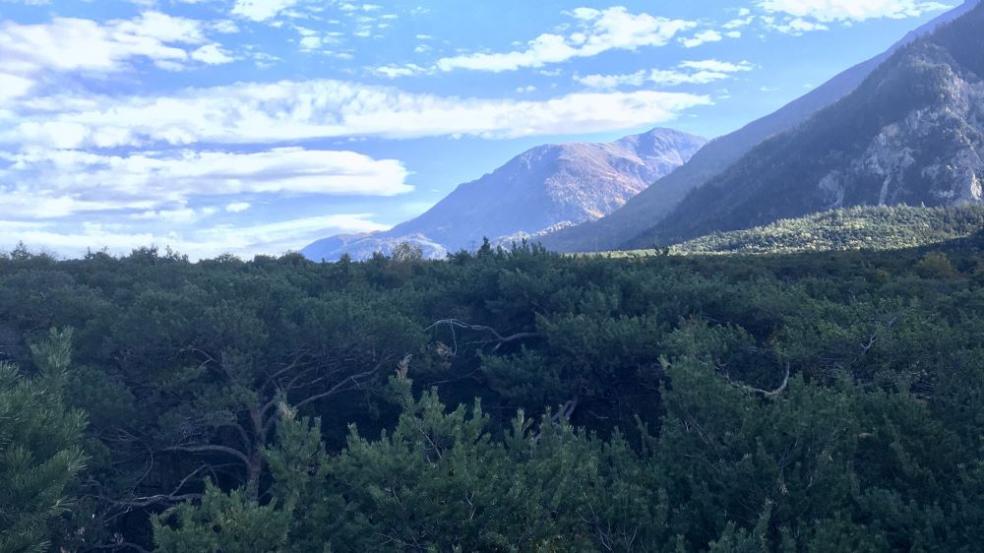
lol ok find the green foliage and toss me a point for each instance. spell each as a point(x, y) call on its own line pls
point(936, 265)
point(236, 522)
point(226, 523)
point(809, 403)
point(406, 252)
point(40, 447)
point(855, 228)
point(438, 482)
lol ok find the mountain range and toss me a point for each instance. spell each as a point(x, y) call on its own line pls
point(538, 191)
point(903, 128)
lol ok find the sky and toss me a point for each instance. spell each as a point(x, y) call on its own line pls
point(257, 126)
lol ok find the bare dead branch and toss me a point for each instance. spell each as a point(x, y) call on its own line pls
point(117, 546)
point(498, 339)
point(209, 448)
point(354, 381)
point(765, 393)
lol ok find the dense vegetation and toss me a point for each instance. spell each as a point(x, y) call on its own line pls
point(803, 403)
point(855, 228)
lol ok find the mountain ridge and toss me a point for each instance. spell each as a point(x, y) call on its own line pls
point(912, 133)
point(648, 208)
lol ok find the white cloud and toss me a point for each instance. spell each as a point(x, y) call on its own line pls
point(687, 72)
point(224, 26)
point(598, 31)
point(286, 235)
point(718, 66)
point(313, 40)
point(702, 37)
point(261, 10)
point(238, 207)
point(212, 54)
point(31, 203)
point(396, 71)
point(184, 215)
point(245, 241)
point(638, 78)
point(793, 25)
point(67, 182)
point(13, 86)
point(744, 19)
point(827, 11)
point(72, 44)
point(298, 110)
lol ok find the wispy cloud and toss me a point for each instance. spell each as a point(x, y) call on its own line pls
point(298, 110)
point(596, 32)
point(67, 182)
point(827, 11)
point(687, 72)
point(83, 45)
point(800, 16)
point(261, 10)
point(210, 241)
point(702, 37)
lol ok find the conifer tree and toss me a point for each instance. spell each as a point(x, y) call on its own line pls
point(40, 452)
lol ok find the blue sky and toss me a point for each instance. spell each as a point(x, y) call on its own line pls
point(251, 126)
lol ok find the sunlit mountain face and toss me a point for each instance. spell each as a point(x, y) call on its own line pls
point(248, 126)
point(542, 190)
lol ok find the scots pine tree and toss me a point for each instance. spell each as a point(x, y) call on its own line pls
point(40, 453)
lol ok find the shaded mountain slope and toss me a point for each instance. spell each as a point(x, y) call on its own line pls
point(912, 133)
point(648, 208)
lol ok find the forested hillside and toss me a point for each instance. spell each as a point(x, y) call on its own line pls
point(856, 228)
point(501, 401)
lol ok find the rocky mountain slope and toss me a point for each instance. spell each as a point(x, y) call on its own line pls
point(542, 189)
point(648, 208)
point(912, 133)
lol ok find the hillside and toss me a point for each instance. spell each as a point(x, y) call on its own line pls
point(912, 134)
point(856, 228)
point(648, 208)
point(543, 188)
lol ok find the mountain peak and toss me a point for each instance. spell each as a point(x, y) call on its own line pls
point(544, 188)
point(659, 139)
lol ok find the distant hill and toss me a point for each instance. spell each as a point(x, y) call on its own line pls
point(856, 228)
point(912, 133)
point(363, 246)
point(649, 207)
point(544, 188)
